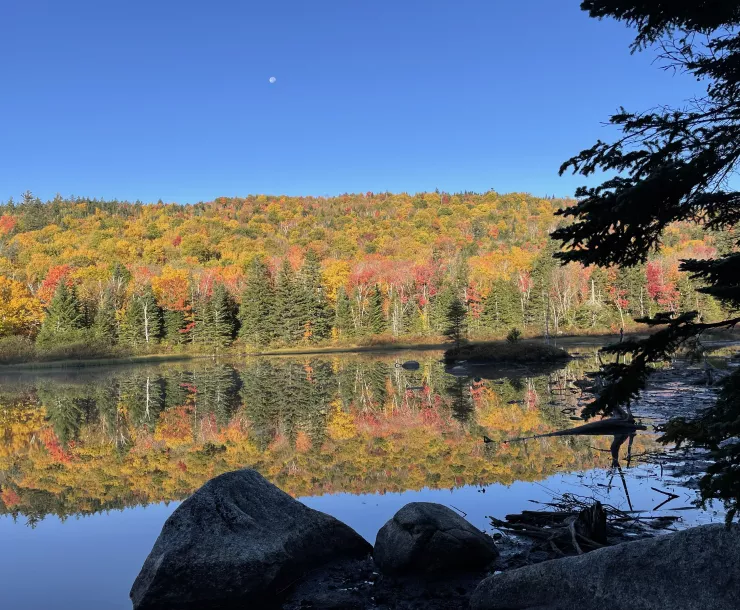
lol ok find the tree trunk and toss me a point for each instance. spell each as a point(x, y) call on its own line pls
point(146, 322)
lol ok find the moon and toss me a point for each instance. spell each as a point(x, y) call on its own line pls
point(273, 80)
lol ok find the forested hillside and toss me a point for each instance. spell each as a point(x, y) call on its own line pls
point(80, 275)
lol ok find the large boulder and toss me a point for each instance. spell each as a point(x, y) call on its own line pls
point(424, 537)
point(238, 542)
point(694, 569)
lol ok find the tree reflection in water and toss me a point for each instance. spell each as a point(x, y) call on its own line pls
point(80, 443)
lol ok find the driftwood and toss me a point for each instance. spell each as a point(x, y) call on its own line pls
point(581, 531)
point(577, 526)
point(604, 427)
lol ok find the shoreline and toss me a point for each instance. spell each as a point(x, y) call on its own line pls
point(715, 339)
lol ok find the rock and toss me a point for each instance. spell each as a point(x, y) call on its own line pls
point(411, 365)
point(694, 569)
point(238, 542)
point(424, 537)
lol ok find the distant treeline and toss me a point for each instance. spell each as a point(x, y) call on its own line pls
point(84, 277)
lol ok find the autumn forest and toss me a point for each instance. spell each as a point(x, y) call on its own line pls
point(85, 278)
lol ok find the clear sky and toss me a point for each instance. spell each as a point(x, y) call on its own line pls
point(172, 100)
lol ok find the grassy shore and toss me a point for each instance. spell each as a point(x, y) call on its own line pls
point(530, 349)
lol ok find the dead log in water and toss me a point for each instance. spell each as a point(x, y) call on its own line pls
point(604, 427)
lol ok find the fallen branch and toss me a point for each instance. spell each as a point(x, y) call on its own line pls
point(579, 525)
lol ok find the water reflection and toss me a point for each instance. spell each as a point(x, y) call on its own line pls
point(80, 443)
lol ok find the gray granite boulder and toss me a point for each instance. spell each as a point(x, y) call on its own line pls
point(239, 542)
point(694, 569)
point(424, 537)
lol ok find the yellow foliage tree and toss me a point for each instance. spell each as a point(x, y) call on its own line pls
point(20, 312)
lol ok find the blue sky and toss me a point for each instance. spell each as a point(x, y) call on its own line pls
point(171, 100)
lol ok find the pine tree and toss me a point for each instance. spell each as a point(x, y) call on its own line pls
point(377, 324)
point(143, 320)
point(671, 165)
point(105, 325)
point(64, 319)
point(538, 306)
point(257, 307)
point(221, 324)
point(174, 324)
point(456, 329)
point(633, 282)
point(501, 308)
point(199, 332)
point(87, 312)
point(287, 317)
point(343, 315)
point(317, 315)
point(440, 307)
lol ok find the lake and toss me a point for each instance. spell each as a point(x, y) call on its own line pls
point(92, 462)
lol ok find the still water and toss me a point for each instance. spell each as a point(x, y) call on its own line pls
point(93, 462)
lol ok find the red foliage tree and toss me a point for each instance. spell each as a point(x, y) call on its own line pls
point(48, 287)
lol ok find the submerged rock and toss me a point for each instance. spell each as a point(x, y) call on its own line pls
point(694, 569)
point(424, 537)
point(238, 542)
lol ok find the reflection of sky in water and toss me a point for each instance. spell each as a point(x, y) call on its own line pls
point(89, 563)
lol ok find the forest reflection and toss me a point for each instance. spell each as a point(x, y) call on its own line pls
point(80, 443)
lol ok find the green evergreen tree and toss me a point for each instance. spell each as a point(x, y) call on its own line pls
point(633, 282)
point(501, 308)
point(87, 311)
point(199, 333)
point(174, 324)
point(343, 315)
point(440, 307)
point(317, 313)
point(221, 325)
point(377, 324)
point(538, 306)
point(287, 318)
point(143, 321)
point(413, 322)
point(257, 307)
point(105, 325)
point(64, 319)
point(456, 329)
